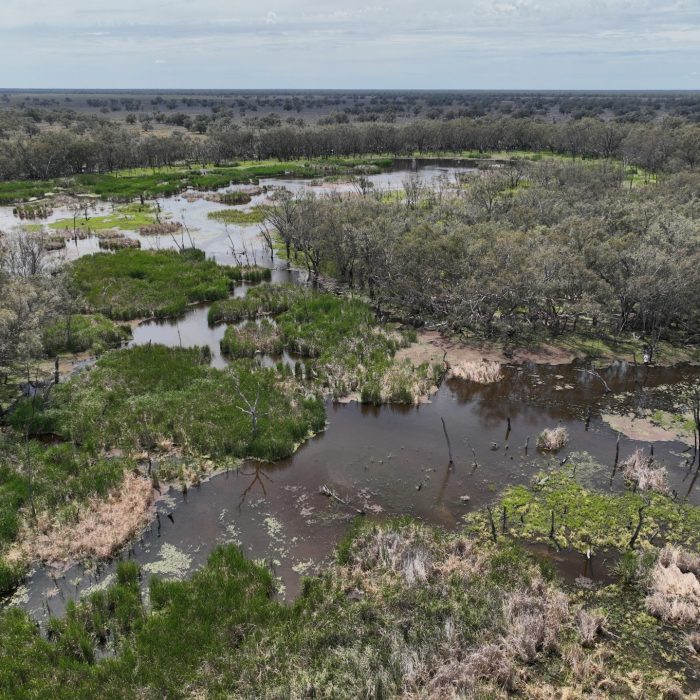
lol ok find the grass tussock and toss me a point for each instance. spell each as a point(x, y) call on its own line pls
point(641, 470)
point(160, 229)
point(553, 439)
point(122, 243)
point(481, 372)
point(674, 588)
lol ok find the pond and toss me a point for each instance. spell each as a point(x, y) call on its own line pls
point(381, 461)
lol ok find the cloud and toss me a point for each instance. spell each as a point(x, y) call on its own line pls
point(309, 43)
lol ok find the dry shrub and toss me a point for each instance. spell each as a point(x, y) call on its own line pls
point(640, 470)
point(674, 594)
point(160, 229)
point(101, 527)
point(552, 439)
point(590, 625)
point(481, 371)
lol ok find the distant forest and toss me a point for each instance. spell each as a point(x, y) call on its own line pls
point(54, 134)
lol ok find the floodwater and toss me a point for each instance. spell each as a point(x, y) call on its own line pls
point(380, 461)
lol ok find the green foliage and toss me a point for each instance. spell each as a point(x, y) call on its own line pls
point(137, 397)
point(137, 283)
point(586, 518)
point(78, 333)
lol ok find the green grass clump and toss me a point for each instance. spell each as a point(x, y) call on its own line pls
point(252, 337)
point(233, 198)
point(82, 332)
point(138, 283)
point(236, 216)
point(142, 397)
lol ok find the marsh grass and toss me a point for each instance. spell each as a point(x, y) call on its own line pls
point(346, 350)
point(82, 332)
point(137, 284)
point(146, 396)
point(252, 337)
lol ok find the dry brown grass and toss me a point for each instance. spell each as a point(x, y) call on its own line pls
point(590, 626)
point(160, 229)
point(99, 530)
point(119, 243)
point(640, 470)
point(553, 439)
point(479, 371)
point(674, 589)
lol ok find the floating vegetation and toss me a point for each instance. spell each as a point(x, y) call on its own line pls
point(173, 562)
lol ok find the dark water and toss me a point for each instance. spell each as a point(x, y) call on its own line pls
point(389, 460)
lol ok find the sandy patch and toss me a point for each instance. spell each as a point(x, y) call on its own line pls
point(101, 528)
point(432, 346)
point(644, 430)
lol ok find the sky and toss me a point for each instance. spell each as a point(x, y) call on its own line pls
point(315, 44)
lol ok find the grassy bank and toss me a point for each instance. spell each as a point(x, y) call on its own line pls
point(134, 284)
point(405, 611)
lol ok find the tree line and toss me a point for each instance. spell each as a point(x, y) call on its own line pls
point(540, 248)
point(667, 146)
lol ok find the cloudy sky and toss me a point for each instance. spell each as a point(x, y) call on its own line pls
point(574, 44)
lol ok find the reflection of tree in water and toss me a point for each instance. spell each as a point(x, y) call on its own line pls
point(258, 474)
